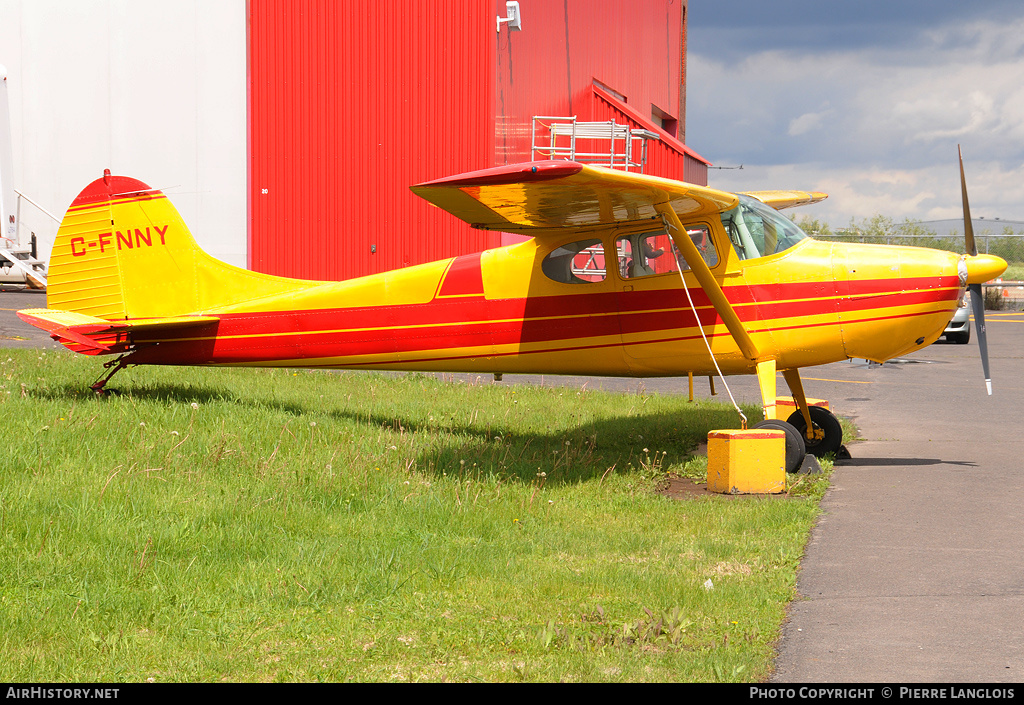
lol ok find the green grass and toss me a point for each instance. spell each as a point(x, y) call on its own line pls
point(263, 525)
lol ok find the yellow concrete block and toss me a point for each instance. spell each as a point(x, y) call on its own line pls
point(747, 462)
point(785, 406)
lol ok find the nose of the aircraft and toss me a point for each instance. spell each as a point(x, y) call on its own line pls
point(983, 268)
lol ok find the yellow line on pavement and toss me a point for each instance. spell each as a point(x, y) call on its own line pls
point(848, 381)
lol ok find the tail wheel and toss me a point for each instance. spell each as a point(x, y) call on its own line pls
point(795, 449)
point(828, 433)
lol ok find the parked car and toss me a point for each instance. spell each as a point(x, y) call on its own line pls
point(959, 328)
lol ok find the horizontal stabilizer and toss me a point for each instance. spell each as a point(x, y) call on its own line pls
point(94, 333)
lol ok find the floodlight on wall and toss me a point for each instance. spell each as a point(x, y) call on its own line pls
point(514, 19)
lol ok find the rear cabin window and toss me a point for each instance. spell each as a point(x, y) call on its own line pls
point(576, 263)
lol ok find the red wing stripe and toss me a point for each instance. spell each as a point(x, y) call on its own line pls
point(513, 174)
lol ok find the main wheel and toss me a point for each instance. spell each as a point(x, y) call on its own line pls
point(828, 431)
point(795, 449)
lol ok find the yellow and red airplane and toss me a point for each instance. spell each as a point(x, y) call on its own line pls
point(625, 275)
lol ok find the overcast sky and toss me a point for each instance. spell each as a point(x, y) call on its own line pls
point(864, 100)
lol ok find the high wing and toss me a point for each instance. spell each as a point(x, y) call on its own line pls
point(97, 335)
point(787, 199)
point(551, 195)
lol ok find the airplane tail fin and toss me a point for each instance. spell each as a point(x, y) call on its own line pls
point(124, 252)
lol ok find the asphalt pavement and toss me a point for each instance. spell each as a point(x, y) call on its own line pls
point(915, 570)
point(15, 333)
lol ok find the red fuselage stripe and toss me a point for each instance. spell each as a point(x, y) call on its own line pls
point(473, 322)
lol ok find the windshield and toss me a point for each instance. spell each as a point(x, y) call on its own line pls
point(757, 230)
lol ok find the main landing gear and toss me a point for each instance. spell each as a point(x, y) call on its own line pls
point(810, 429)
point(796, 448)
point(826, 434)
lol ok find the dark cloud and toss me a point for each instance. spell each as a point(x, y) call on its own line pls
point(733, 29)
point(873, 97)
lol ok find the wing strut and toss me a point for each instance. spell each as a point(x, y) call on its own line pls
point(700, 269)
point(707, 281)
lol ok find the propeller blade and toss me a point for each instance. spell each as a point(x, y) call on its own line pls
point(977, 298)
point(978, 306)
point(972, 250)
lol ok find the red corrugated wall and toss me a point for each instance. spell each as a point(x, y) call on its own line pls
point(667, 156)
point(350, 103)
point(353, 101)
point(566, 47)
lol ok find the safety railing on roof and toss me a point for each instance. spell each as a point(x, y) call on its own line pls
point(607, 144)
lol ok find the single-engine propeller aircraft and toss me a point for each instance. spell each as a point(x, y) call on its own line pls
point(625, 275)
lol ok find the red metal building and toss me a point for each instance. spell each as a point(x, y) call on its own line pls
point(352, 102)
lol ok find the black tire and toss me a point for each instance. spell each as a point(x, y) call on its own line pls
point(824, 420)
point(795, 449)
point(962, 338)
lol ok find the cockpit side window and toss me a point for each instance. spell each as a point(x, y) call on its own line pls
point(700, 235)
point(644, 254)
point(758, 230)
point(579, 262)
